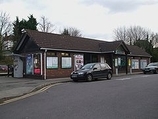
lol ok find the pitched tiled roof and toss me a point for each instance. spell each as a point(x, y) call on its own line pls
point(52, 41)
point(56, 41)
point(112, 46)
point(136, 51)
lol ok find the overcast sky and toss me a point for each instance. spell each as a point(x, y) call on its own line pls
point(94, 18)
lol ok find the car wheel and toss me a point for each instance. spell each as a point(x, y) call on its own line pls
point(109, 76)
point(156, 71)
point(89, 77)
point(144, 72)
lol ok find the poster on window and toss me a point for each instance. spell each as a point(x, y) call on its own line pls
point(116, 62)
point(135, 64)
point(29, 64)
point(143, 64)
point(78, 61)
point(52, 62)
point(37, 63)
point(66, 62)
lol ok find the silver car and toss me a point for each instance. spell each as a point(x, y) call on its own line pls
point(151, 68)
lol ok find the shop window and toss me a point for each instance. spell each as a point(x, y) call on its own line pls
point(33, 64)
point(52, 62)
point(37, 63)
point(135, 64)
point(120, 61)
point(29, 64)
point(143, 64)
point(78, 61)
point(66, 62)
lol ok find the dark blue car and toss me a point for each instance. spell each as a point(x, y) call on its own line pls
point(92, 71)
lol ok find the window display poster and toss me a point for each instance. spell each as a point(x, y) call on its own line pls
point(37, 64)
point(66, 62)
point(116, 62)
point(119, 61)
point(78, 61)
point(143, 64)
point(135, 64)
point(52, 62)
point(29, 64)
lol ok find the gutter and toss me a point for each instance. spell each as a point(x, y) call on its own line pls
point(75, 50)
point(139, 55)
point(18, 55)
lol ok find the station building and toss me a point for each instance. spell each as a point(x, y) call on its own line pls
point(48, 55)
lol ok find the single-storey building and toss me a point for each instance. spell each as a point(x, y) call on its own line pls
point(48, 55)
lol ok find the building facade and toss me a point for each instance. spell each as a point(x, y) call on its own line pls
point(47, 55)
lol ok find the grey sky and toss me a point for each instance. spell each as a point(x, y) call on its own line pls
point(121, 5)
point(94, 18)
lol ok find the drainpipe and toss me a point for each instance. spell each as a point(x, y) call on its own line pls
point(45, 70)
point(126, 64)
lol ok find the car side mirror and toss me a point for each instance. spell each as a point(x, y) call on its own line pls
point(94, 68)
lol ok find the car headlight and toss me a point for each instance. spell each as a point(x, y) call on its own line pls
point(80, 73)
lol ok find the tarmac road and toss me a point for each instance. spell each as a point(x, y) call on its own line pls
point(15, 87)
point(126, 97)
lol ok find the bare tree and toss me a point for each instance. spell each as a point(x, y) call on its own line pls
point(154, 39)
point(131, 34)
point(5, 28)
point(71, 31)
point(5, 24)
point(45, 26)
point(121, 34)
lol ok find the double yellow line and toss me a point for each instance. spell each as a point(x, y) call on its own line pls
point(29, 94)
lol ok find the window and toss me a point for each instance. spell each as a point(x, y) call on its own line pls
point(37, 63)
point(33, 64)
point(66, 62)
point(103, 66)
point(143, 63)
point(120, 50)
point(135, 64)
point(29, 64)
point(97, 66)
point(49, 54)
point(65, 54)
point(52, 62)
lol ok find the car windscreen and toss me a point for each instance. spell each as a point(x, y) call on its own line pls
point(153, 64)
point(87, 66)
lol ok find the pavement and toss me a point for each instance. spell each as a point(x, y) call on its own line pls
point(11, 88)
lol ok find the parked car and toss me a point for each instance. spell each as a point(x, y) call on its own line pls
point(151, 68)
point(3, 68)
point(92, 71)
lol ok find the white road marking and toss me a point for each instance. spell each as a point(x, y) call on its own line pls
point(145, 76)
point(123, 79)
